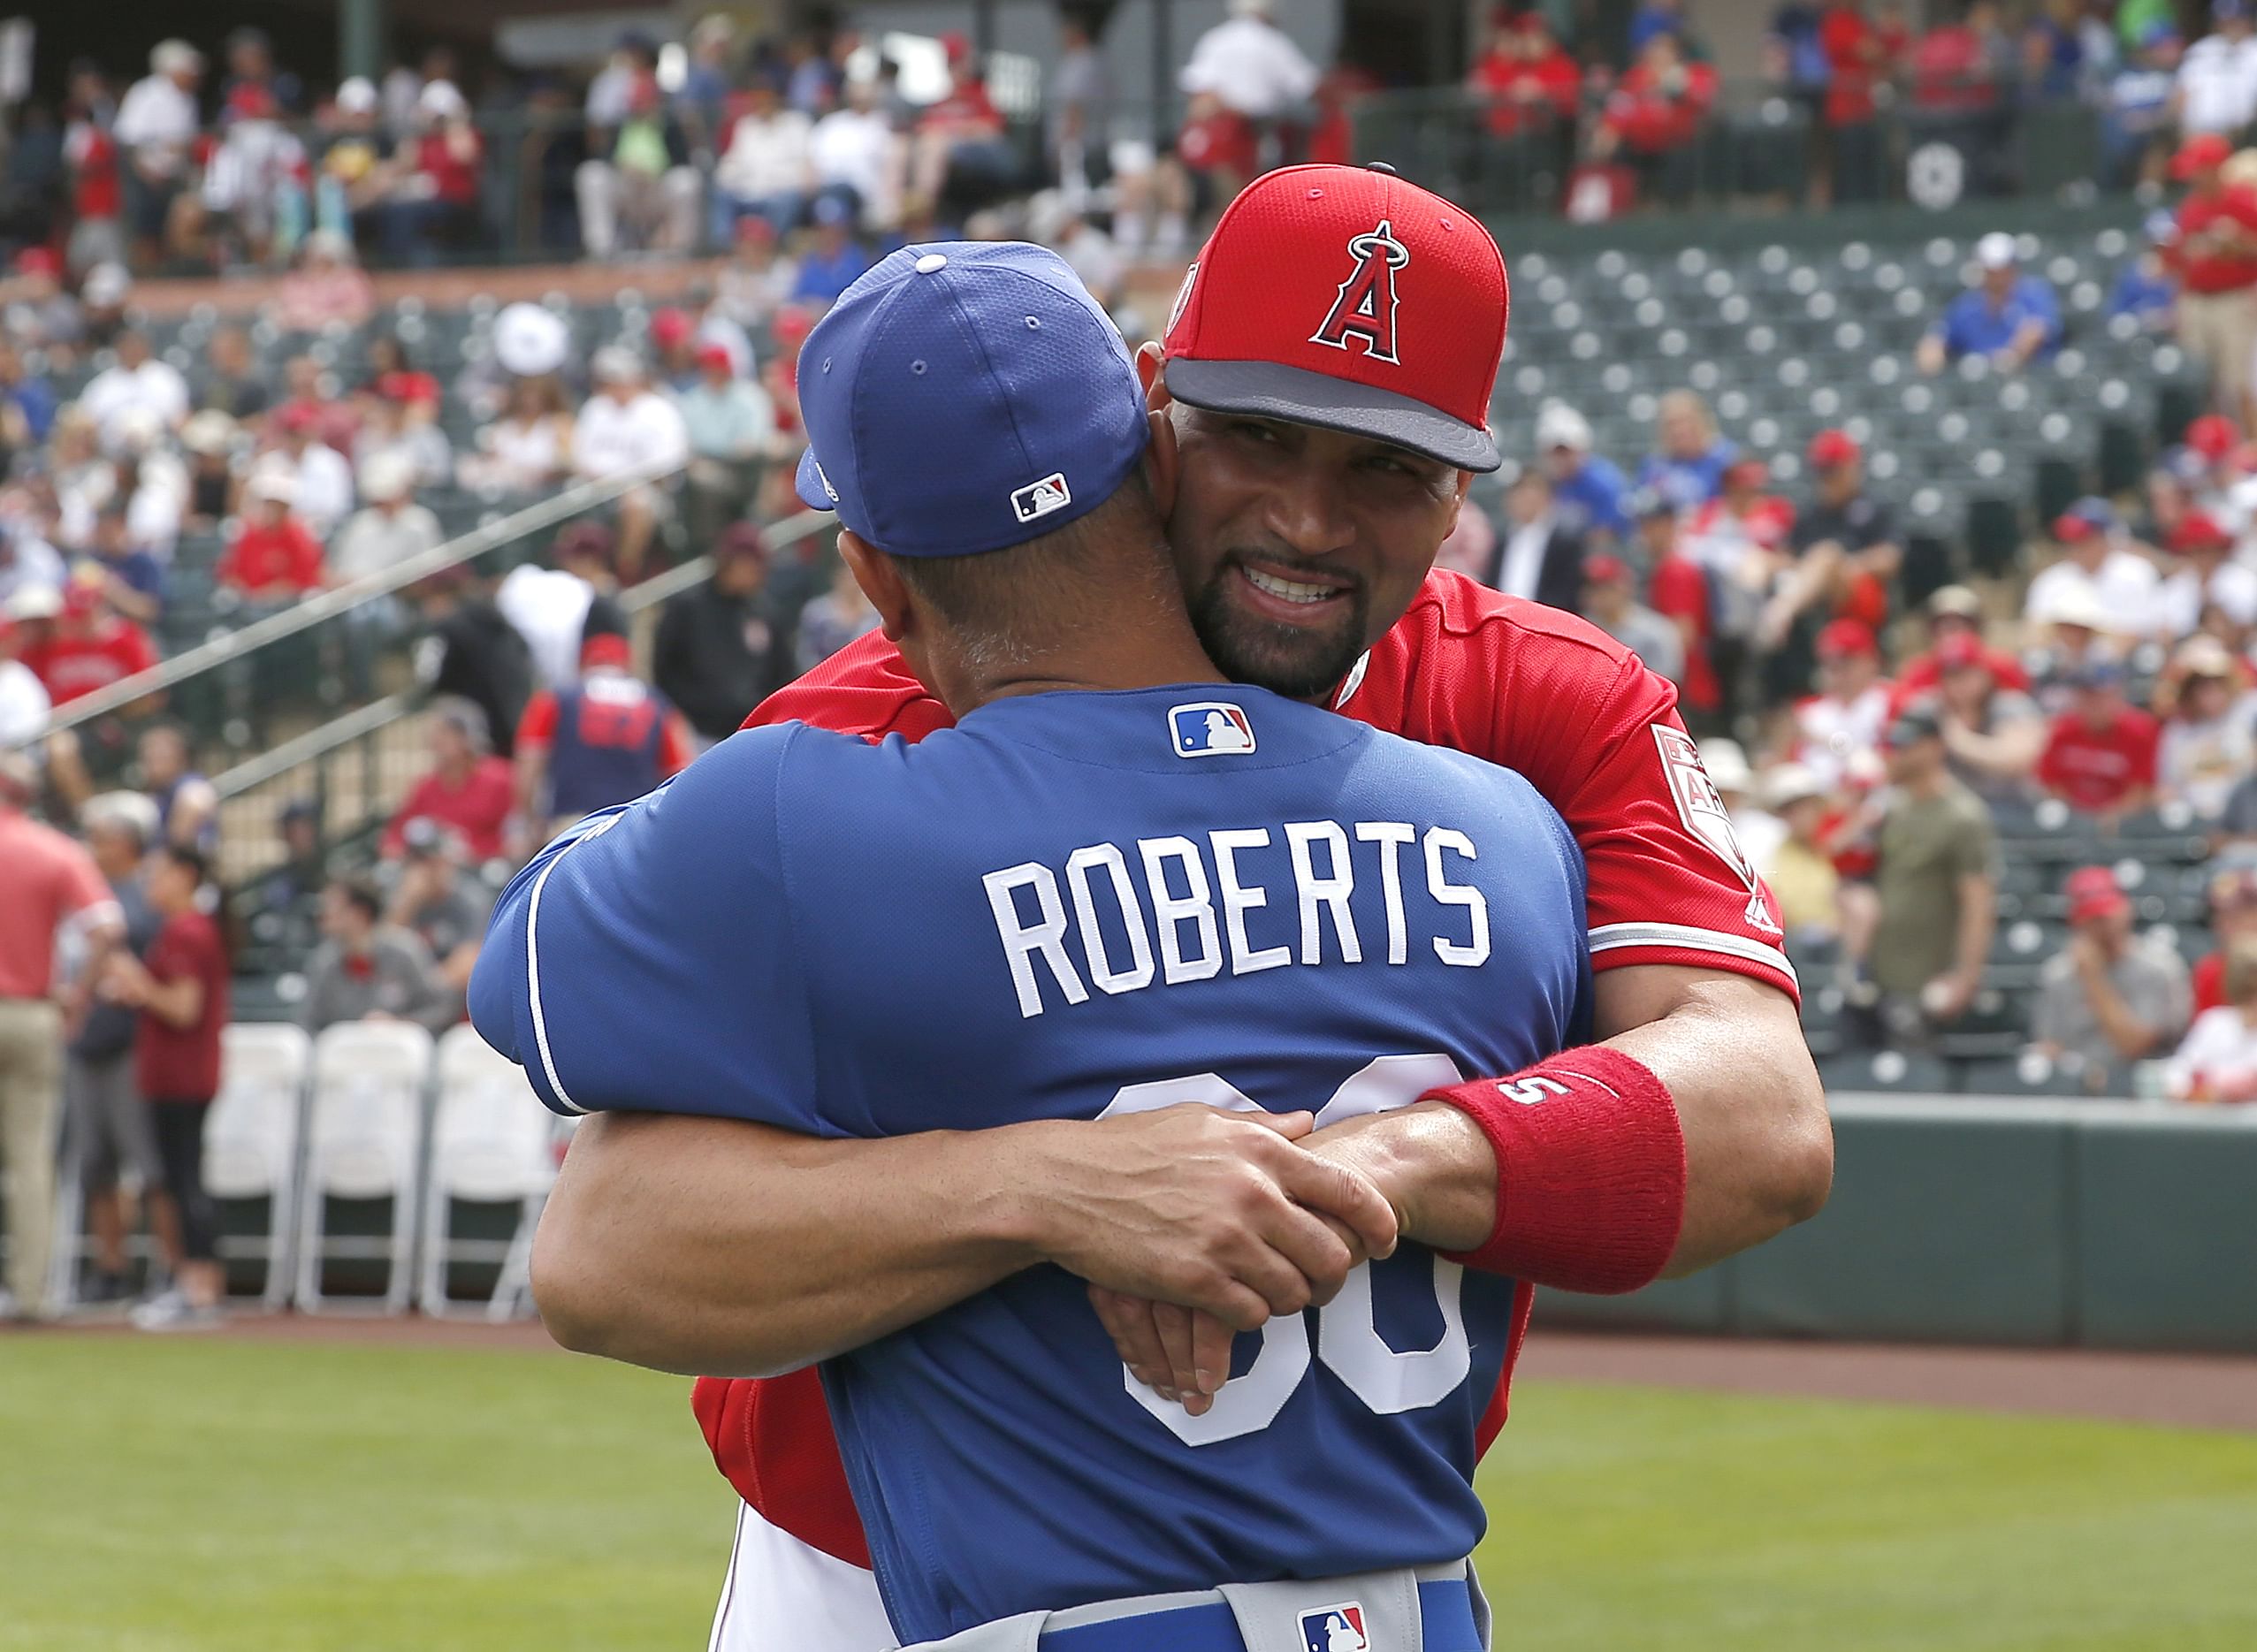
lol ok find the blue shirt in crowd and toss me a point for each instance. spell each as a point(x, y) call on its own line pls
point(823, 280)
point(1686, 483)
point(1591, 500)
point(1971, 327)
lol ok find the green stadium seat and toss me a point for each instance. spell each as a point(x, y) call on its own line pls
point(2031, 1074)
point(1891, 1071)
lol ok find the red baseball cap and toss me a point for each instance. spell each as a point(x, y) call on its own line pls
point(1747, 473)
point(1960, 649)
point(1344, 297)
point(2212, 436)
point(1844, 638)
point(2196, 530)
point(2199, 153)
point(1829, 448)
point(1606, 570)
point(606, 648)
point(2094, 891)
point(715, 356)
point(670, 327)
point(38, 261)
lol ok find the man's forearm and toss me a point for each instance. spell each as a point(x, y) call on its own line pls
point(1978, 920)
point(716, 1248)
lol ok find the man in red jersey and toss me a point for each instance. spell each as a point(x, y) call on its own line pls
point(1317, 410)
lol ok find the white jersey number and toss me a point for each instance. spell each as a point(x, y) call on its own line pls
point(1348, 1339)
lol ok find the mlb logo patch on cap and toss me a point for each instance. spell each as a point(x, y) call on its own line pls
point(1210, 728)
point(1335, 1629)
point(1040, 498)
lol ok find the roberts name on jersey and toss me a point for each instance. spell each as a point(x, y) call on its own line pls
point(1181, 908)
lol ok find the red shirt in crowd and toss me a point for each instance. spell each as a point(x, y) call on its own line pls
point(266, 555)
point(477, 809)
point(1853, 50)
point(1922, 674)
point(1468, 669)
point(182, 1063)
point(1680, 591)
point(78, 657)
point(452, 160)
point(2096, 769)
point(92, 154)
point(1221, 139)
point(2210, 982)
point(2217, 248)
point(45, 879)
point(1504, 81)
point(1951, 70)
point(1650, 119)
point(537, 728)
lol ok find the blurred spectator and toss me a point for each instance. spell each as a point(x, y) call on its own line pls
point(389, 529)
point(1954, 611)
point(557, 610)
point(24, 705)
point(855, 157)
point(1610, 603)
point(274, 557)
point(91, 154)
point(102, 299)
point(442, 904)
point(181, 991)
point(208, 438)
point(107, 1130)
point(1843, 722)
point(832, 258)
point(27, 563)
point(528, 448)
point(732, 429)
point(156, 128)
point(756, 281)
point(1543, 557)
point(326, 285)
point(2217, 1061)
point(1758, 830)
point(1687, 468)
point(308, 397)
point(40, 313)
point(832, 620)
point(2205, 575)
point(47, 884)
point(2097, 563)
point(1923, 928)
point(2079, 635)
point(1588, 492)
point(401, 420)
point(2208, 746)
point(136, 383)
point(1860, 58)
point(2135, 121)
point(285, 900)
point(469, 650)
point(2214, 257)
point(716, 651)
point(961, 158)
point(766, 170)
point(2108, 999)
point(231, 382)
point(1651, 18)
point(639, 191)
point(1471, 546)
point(675, 347)
point(2217, 78)
point(1800, 871)
point(76, 642)
point(2146, 290)
point(2233, 920)
point(2099, 755)
point(318, 476)
point(1845, 555)
point(624, 429)
point(1738, 540)
point(1089, 250)
point(1679, 590)
point(708, 78)
point(27, 403)
point(1078, 103)
point(1250, 65)
point(607, 739)
point(467, 790)
point(432, 204)
point(187, 807)
point(1656, 115)
point(1528, 83)
point(2006, 317)
point(366, 970)
point(1993, 734)
point(1958, 69)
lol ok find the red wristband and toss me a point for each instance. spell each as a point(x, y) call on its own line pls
point(1591, 1171)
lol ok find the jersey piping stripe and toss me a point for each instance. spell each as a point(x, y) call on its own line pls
point(1607, 937)
point(533, 962)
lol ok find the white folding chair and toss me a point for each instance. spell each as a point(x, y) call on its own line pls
point(251, 1136)
point(364, 1139)
point(492, 1143)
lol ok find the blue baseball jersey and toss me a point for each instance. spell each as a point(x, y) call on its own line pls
point(1076, 906)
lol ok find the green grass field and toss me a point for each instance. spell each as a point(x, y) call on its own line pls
point(237, 1497)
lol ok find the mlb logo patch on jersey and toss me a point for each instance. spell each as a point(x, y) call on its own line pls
point(1040, 498)
point(1210, 728)
point(1335, 1629)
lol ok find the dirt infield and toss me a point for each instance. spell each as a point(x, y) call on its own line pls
point(2185, 1390)
point(2182, 1390)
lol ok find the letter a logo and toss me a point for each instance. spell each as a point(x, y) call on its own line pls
point(1366, 306)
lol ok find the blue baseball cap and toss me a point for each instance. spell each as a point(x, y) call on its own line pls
point(963, 396)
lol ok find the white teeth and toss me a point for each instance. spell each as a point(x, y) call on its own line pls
point(1288, 590)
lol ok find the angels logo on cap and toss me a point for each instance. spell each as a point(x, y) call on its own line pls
point(1365, 308)
point(1416, 268)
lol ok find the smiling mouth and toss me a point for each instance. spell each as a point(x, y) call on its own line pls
point(1277, 591)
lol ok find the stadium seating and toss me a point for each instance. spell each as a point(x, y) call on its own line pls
point(251, 1139)
point(364, 1136)
point(492, 1143)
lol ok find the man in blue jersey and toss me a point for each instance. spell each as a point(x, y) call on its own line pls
point(1118, 885)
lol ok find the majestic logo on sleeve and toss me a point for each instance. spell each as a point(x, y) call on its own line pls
point(1701, 806)
point(1365, 308)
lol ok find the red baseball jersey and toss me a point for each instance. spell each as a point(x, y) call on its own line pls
point(1521, 685)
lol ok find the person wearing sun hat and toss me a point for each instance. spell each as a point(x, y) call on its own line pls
point(2208, 746)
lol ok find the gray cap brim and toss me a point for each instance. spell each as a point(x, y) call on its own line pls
point(1276, 392)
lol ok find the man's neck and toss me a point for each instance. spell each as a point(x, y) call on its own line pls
point(1139, 661)
point(1929, 787)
